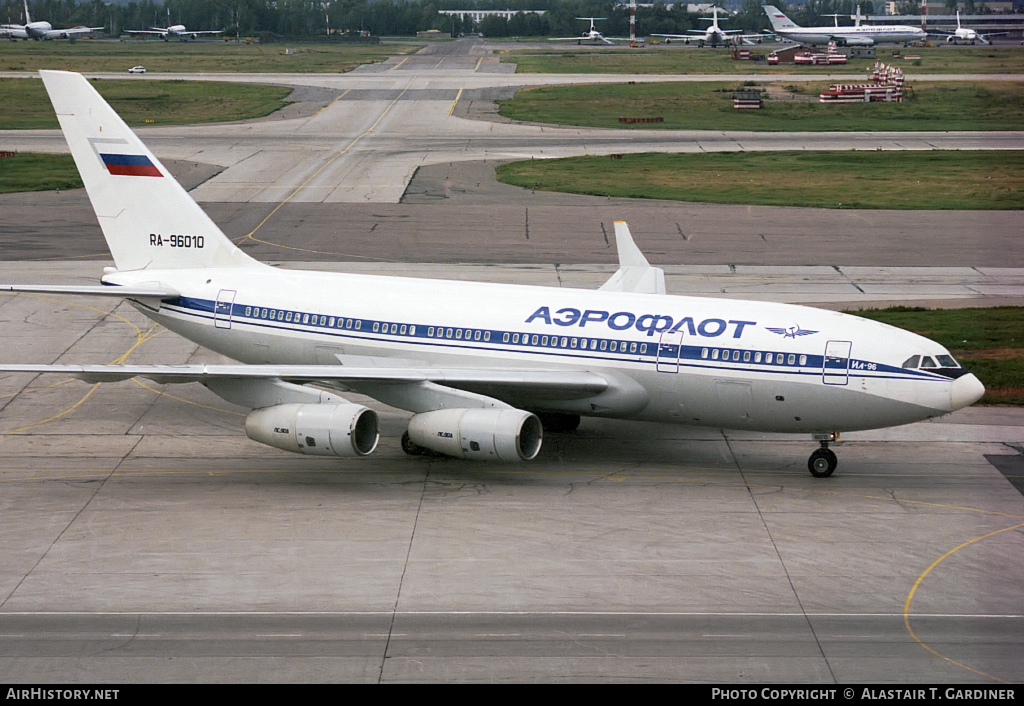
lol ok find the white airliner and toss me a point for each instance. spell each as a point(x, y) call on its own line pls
point(479, 365)
point(41, 29)
point(170, 30)
point(713, 35)
point(966, 34)
point(591, 35)
point(861, 35)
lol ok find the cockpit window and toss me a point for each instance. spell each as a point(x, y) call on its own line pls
point(946, 366)
point(912, 361)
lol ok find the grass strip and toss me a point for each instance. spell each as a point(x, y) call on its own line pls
point(37, 172)
point(948, 105)
point(678, 59)
point(26, 105)
point(195, 56)
point(888, 180)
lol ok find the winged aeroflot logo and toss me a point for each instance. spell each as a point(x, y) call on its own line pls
point(791, 332)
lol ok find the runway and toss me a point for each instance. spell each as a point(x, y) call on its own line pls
point(145, 539)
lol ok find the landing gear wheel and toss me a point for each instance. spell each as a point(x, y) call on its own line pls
point(822, 463)
point(411, 448)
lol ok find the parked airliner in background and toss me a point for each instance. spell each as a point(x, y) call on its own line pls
point(591, 35)
point(713, 35)
point(861, 35)
point(41, 29)
point(479, 365)
point(170, 30)
point(966, 34)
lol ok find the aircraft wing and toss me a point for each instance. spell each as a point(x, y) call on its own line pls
point(146, 31)
point(73, 30)
point(549, 384)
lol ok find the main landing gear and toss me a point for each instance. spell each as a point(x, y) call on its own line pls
point(823, 461)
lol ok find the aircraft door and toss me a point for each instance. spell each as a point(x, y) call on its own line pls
point(836, 367)
point(222, 309)
point(669, 349)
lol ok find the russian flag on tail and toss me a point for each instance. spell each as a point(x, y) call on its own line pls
point(130, 165)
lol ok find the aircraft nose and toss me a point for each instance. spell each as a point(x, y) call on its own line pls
point(965, 390)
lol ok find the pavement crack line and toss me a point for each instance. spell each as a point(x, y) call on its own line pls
point(401, 579)
point(96, 491)
point(856, 286)
point(782, 562)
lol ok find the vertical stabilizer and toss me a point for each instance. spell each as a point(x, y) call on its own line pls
point(778, 20)
point(635, 274)
point(148, 220)
point(28, 20)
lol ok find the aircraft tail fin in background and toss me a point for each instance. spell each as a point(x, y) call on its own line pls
point(635, 274)
point(779, 20)
point(147, 218)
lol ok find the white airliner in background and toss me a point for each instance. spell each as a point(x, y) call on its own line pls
point(170, 30)
point(41, 29)
point(479, 365)
point(713, 35)
point(861, 35)
point(966, 34)
point(591, 35)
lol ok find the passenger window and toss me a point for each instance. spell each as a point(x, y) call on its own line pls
point(403, 329)
point(604, 345)
point(632, 348)
point(714, 354)
point(803, 360)
point(746, 356)
point(768, 357)
point(704, 353)
point(757, 357)
point(791, 359)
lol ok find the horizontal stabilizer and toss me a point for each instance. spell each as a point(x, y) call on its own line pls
point(97, 291)
point(635, 274)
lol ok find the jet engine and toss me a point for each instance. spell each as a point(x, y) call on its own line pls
point(480, 434)
point(315, 429)
point(855, 41)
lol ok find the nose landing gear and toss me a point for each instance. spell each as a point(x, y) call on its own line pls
point(823, 461)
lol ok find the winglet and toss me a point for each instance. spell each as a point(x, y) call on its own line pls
point(635, 274)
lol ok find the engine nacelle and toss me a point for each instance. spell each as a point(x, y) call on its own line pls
point(480, 434)
point(315, 429)
point(855, 41)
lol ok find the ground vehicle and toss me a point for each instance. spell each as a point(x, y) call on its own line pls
point(137, 70)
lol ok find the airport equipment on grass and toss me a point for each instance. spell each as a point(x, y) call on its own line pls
point(886, 87)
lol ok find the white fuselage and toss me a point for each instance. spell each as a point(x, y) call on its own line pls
point(687, 360)
point(891, 34)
